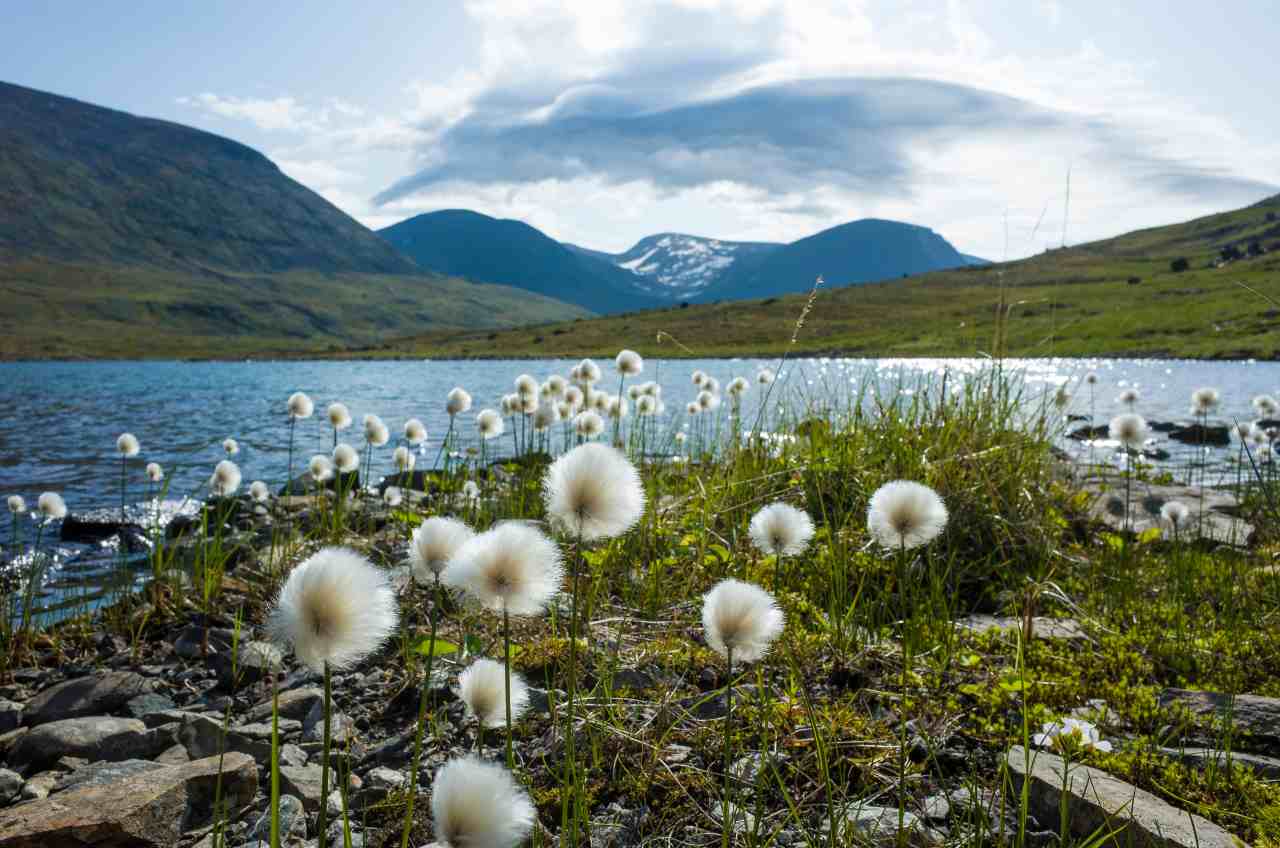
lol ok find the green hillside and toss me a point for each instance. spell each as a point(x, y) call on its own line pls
point(1118, 297)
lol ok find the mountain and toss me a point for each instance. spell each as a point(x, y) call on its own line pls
point(676, 266)
point(476, 247)
point(1208, 288)
point(122, 235)
point(857, 252)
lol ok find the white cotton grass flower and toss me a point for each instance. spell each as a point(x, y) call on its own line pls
point(1247, 431)
point(765, 377)
point(346, 459)
point(300, 405)
point(434, 543)
point(711, 384)
point(544, 416)
point(415, 432)
point(617, 407)
point(489, 424)
point(127, 445)
point(600, 402)
point(1204, 400)
point(738, 387)
point(904, 514)
point(17, 506)
point(483, 689)
point(629, 363)
point(258, 491)
point(470, 492)
point(403, 459)
point(588, 424)
point(1266, 406)
point(51, 505)
point(692, 407)
point(646, 405)
point(527, 404)
point(226, 479)
point(593, 492)
point(652, 389)
point(1070, 734)
point(742, 618)
point(781, 529)
point(564, 410)
point(477, 804)
point(588, 372)
point(526, 385)
point(392, 496)
point(555, 386)
point(708, 401)
point(458, 401)
point(680, 437)
point(1175, 515)
point(508, 403)
point(335, 609)
point(320, 467)
point(513, 566)
point(635, 392)
point(1129, 429)
point(154, 472)
point(231, 447)
point(573, 397)
point(339, 416)
point(1263, 454)
point(375, 431)
point(1128, 397)
point(698, 378)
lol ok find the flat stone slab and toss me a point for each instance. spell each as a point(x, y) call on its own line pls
point(1043, 627)
point(1254, 718)
point(1220, 522)
point(92, 738)
point(147, 810)
point(98, 694)
point(1264, 767)
point(1100, 803)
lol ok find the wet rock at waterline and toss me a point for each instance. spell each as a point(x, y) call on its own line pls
point(303, 485)
point(1097, 802)
point(1218, 435)
point(91, 528)
point(1218, 507)
point(149, 808)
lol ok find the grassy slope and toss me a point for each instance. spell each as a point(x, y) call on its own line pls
point(49, 310)
point(1066, 302)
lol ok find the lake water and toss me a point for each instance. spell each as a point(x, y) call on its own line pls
point(61, 419)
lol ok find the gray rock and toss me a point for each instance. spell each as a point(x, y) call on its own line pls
point(254, 661)
point(1220, 508)
point(293, 823)
point(10, 715)
point(1042, 627)
point(165, 717)
point(1096, 800)
point(10, 785)
point(293, 703)
point(189, 641)
point(936, 808)
point(94, 738)
point(100, 694)
point(149, 704)
point(879, 825)
point(1264, 767)
point(1255, 720)
point(173, 756)
point(40, 785)
point(202, 736)
point(102, 773)
point(304, 782)
point(341, 727)
point(292, 755)
point(151, 809)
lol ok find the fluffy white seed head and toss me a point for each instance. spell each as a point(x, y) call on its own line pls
point(545, 415)
point(470, 491)
point(1129, 429)
point(588, 372)
point(651, 389)
point(742, 618)
point(765, 377)
point(154, 472)
point(458, 401)
point(555, 386)
point(564, 410)
point(781, 529)
point(225, 479)
point(339, 416)
point(711, 384)
point(127, 444)
point(629, 363)
point(231, 447)
point(507, 405)
point(300, 405)
point(527, 404)
point(434, 544)
point(573, 397)
point(475, 804)
point(334, 608)
point(1247, 431)
point(415, 432)
point(17, 505)
point(738, 387)
point(346, 458)
point(258, 491)
point(617, 407)
point(681, 435)
point(707, 401)
point(375, 431)
point(693, 407)
point(320, 468)
point(905, 514)
point(489, 424)
point(1175, 514)
point(698, 378)
point(593, 492)
point(646, 405)
point(51, 505)
point(526, 385)
point(483, 689)
point(513, 565)
point(588, 424)
point(1204, 400)
point(600, 402)
point(403, 458)
point(1263, 454)
point(392, 496)
point(1128, 397)
point(1266, 406)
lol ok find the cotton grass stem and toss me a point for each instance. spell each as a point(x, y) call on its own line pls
point(321, 820)
point(506, 662)
point(422, 714)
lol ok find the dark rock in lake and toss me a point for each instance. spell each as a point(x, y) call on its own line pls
point(303, 484)
point(91, 528)
point(1085, 434)
point(1218, 435)
point(412, 481)
point(1163, 426)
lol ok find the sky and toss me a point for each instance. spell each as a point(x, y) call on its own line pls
point(604, 121)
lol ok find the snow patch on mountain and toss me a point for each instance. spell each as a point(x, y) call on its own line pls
point(677, 266)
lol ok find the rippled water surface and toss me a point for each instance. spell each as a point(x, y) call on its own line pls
point(60, 420)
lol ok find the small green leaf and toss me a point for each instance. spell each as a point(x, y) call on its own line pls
point(442, 647)
point(473, 645)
